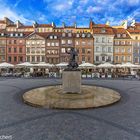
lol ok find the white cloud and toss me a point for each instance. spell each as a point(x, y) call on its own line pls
point(91, 9)
point(5, 11)
point(60, 5)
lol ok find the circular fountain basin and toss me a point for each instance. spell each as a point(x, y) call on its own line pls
point(53, 97)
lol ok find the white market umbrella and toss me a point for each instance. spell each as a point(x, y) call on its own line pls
point(129, 65)
point(63, 64)
point(118, 65)
point(106, 65)
point(43, 64)
point(6, 65)
point(86, 65)
point(25, 64)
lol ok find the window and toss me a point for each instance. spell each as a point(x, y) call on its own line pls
point(109, 49)
point(116, 58)
point(11, 34)
point(103, 49)
point(116, 50)
point(118, 35)
point(117, 42)
point(97, 58)
point(15, 50)
point(21, 34)
point(63, 50)
point(57, 44)
point(129, 50)
point(97, 49)
point(9, 59)
point(63, 42)
point(69, 34)
point(38, 58)
point(124, 35)
point(28, 58)
point(136, 60)
point(9, 50)
point(88, 35)
point(123, 58)
point(136, 51)
point(88, 59)
point(109, 58)
point(83, 50)
point(128, 58)
point(21, 59)
point(55, 37)
point(103, 58)
point(63, 35)
point(16, 35)
point(103, 39)
point(69, 41)
point(103, 30)
point(97, 39)
point(43, 58)
point(51, 37)
point(77, 42)
point(83, 35)
point(48, 44)
point(122, 50)
point(28, 50)
point(15, 59)
point(109, 40)
point(83, 58)
point(136, 38)
point(77, 35)
point(33, 58)
point(83, 43)
point(15, 41)
point(52, 44)
point(20, 50)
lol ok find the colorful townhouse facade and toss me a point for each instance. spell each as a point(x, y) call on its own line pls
point(123, 48)
point(96, 43)
point(103, 43)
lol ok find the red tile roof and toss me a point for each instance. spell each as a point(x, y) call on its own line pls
point(99, 30)
point(121, 31)
point(135, 31)
point(44, 25)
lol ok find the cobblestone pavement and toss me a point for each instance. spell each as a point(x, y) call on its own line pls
point(120, 121)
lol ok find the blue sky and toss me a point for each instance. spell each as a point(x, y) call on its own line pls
point(70, 11)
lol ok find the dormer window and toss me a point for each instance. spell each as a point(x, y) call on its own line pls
point(83, 35)
point(77, 35)
point(51, 37)
point(124, 35)
point(88, 35)
point(118, 35)
point(103, 30)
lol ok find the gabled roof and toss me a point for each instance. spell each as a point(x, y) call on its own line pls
point(103, 30)
point(121, 31)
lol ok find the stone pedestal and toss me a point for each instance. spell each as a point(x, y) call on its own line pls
point(71, 81)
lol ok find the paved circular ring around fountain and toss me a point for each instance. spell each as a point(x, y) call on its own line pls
point(53, 97)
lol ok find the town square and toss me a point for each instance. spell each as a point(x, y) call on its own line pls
point(70, 70)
